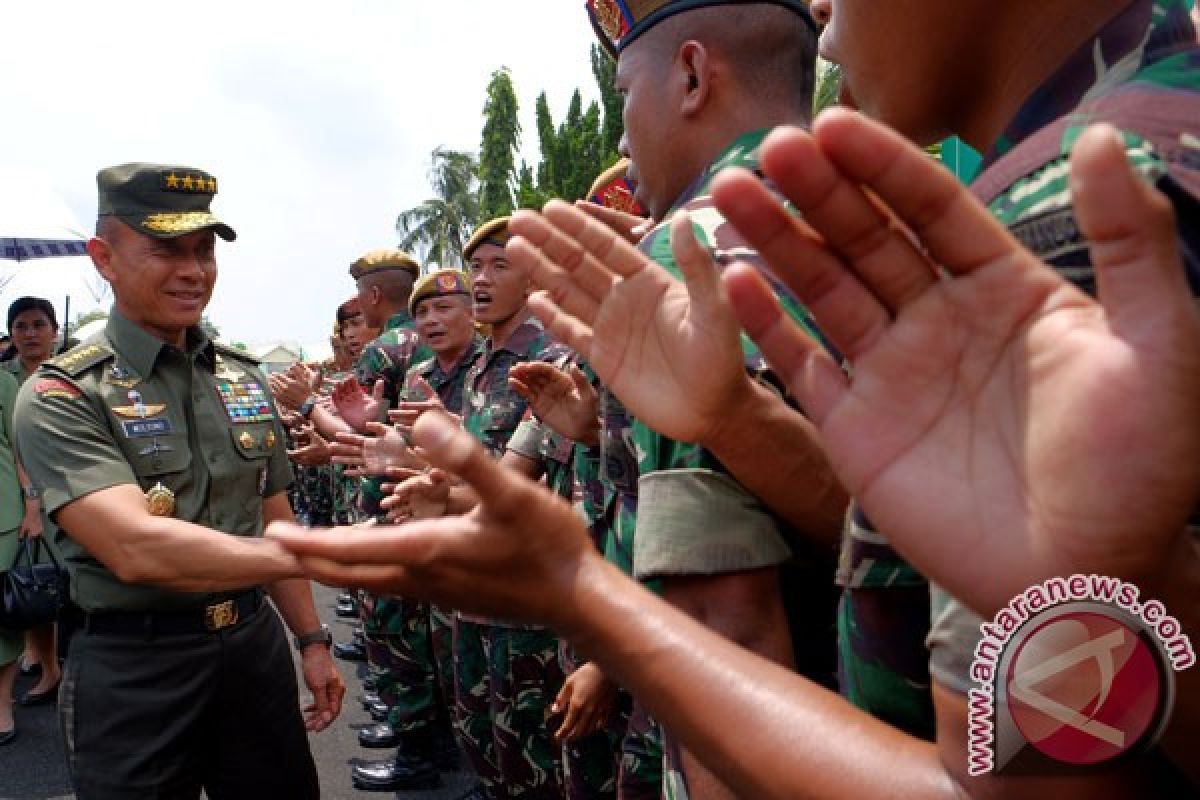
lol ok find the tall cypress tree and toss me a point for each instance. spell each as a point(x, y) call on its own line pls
point(498, 146)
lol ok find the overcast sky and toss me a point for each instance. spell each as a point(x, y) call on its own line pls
point(316, 118)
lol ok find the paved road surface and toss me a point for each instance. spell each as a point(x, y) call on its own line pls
point(33, 768)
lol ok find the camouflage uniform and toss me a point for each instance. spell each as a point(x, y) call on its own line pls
point(506, 676)
point(693, 518)
point(1141, 73)
point(607, 477)
point(438, 623)
point(885, 613)
point(590, 764)
point(396, 630)
point(315, 494)
point(883, 616)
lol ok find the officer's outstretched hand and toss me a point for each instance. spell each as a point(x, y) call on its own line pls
point(521, 553)
point(670, 351)
point(998, 425)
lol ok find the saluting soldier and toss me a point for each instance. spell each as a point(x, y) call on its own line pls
point(160, 456)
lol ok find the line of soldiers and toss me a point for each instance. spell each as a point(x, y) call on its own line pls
point(952, 390)
point(533, 718)
point(730, 497)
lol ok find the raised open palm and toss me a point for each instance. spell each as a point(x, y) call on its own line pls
point(998, 425)
point(670, 351)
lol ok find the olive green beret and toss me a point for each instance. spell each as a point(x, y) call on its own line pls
point(613, 189)
point(440, 283)
point(160, 200)
point(494, 231)
point(619, 22)
point(384, 261)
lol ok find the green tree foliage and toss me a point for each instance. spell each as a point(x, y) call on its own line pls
point(501, 138)
point(604, 69)
point(436, 230)
point(577, 149)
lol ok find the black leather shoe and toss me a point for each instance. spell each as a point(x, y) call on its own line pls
point(39, 698)
point(368, 699)
point(405, 771)
point(379, 711)
point(349, 651)
point(345, 597)
point(8, 737)
point(378, 736)
point(369, 683)
point(346, 610)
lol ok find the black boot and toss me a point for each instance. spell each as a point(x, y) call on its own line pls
point(378, 736)
point(350, 651)
point(410, 769)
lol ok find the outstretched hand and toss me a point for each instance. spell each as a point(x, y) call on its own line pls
point(383, 448)
point(421, 495)
point(998, 425)
point(522, 553)
point(564, 399)
point(669, 350)
point(313, 451)
point(356, 407)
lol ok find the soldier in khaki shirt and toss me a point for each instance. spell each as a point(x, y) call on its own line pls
point(160, 457)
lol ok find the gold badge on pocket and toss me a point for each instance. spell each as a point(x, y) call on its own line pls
point(160, 500)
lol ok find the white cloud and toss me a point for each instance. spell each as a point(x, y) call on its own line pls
point(316, 118)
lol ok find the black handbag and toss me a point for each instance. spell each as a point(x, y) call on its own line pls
point(32, 593)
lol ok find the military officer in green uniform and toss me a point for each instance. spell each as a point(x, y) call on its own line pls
point(160, 457)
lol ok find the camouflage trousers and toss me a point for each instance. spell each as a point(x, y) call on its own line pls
point(622, 761)
point(883, 664)
point(441, 636)
point(400, 655)
point(641, 769)
point(505, 681)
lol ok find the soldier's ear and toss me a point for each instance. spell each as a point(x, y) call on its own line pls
point(101, 253)
point(695, 65)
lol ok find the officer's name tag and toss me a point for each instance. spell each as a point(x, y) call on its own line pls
point(139, 428)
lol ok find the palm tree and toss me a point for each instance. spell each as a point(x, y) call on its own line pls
point(437, 229)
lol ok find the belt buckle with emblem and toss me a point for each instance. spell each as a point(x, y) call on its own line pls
point(220, 615)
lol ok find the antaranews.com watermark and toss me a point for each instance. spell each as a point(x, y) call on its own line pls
point(1077, 668)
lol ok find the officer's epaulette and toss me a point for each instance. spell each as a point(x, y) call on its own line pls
point(79, 359)
point(234, 352)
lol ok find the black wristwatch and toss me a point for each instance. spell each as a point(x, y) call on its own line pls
point(319, 636)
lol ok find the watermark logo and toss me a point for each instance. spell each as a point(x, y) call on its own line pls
point(1072, 672)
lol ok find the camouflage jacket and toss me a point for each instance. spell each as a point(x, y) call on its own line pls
point(1141, 72)
point(388, 358)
